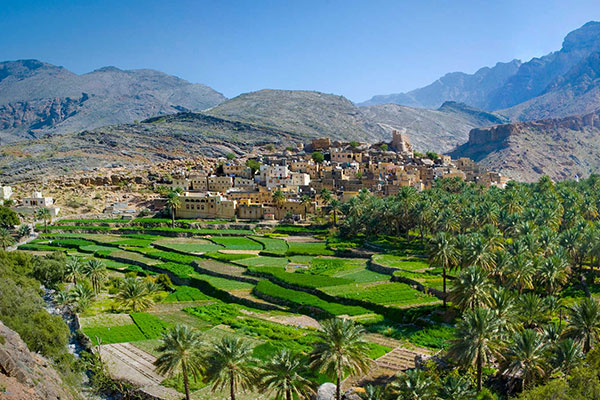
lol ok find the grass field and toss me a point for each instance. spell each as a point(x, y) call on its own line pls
point(237, 243)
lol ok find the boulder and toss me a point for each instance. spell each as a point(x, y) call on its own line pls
point(326, 392)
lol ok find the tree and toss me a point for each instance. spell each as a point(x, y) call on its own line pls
point(278, 199)
point(254, 165)
point(373, 392)
point(414, 384)
point(525, 356)
point(532, 310)
point(520, 272)
point(8, 218)
point(81, 296)
point(584, 323)
point(318, 157)
point(44, 215)
point(567, 355)
point(443, 253)
point(133, 293)
point(456, 388)
point(74, 269)
point(95, 270)
point(341, 350)
point(172, 203)
point(334, 208)
point(282, 376)
point(306, 202)
point(180, 354)
point(230, 156)
point(553, 273)
point(325, 196)
point(477, 340)
point(24, 231)
point(6, 238)
point(472, 289)
point(230, 364)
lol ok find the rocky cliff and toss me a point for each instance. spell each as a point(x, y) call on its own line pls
point(25, 375)
point(560, 148)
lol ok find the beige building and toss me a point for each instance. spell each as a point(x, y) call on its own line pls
point(219, 183)
point(205, 205)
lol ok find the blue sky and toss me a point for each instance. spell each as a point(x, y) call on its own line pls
point(353, 48)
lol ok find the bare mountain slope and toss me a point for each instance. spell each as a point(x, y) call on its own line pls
point(38, 98)
point(562, 148)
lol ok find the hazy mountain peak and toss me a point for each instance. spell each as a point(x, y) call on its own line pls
point(585, 38)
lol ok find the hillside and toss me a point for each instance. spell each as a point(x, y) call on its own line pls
point(564, 82)
point(37, 98)
point(438, 130)
point(563, 148)
point(307, 113)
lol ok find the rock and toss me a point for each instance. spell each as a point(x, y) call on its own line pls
point(351, 395)
point(326, 392)
point(26, 375)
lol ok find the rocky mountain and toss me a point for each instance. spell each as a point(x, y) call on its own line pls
point(438, 130)
point(563, 148)
point(307, 113)
point(37, 98)
point(25, 375)
point(472, 89)
point(561, 83)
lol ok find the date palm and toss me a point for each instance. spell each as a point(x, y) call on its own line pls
point(44, 215)
point(74, 269)
point(341, 350)
point(180, 355)
point(504, 304)
point(478, 337)
point(443, 253)
point(95, 271)
point(584, 323)
point(532, 310)
point(133, 293)
point(414, 384)
point(372, 393)
point(24, 230)
point(81, 296)
point(282, 376)
point(553, 273)
point(173, 202)
point(306, 202)
point(520, 272)
point(6, 238)
point(479, 253)
point(456, 388)
point(567, 355)
point(525, 356)
point(471, 289)
point(334, 209)
point(229, 363)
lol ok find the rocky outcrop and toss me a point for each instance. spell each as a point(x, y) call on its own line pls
point(560, 148)
point(25, 375)
point(326, 392)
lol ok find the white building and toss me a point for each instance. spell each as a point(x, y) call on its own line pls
point(6, 192)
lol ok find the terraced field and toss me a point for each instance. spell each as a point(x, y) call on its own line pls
point(272, 291)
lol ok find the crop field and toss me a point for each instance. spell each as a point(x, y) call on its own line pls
point(212, 290)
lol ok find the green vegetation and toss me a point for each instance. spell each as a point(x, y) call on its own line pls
point(237, 243)
point(186, 293)
point(309, 248)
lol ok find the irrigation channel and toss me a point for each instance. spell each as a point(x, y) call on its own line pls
point(76, 347)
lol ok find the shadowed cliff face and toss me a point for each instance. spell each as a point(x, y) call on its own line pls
point(560, 148)
point(25, 375)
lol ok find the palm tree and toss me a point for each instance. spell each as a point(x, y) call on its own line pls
point(532, 310)
point(6, 238)
point(80, 296)
point(74, 269)
point(567, 355)
point(172, 203)
point(282, 376)
point(520, 272)
point(443, 253)
point(133, 293)
point(584, 323)
point(553, 273)
point(24, 230)
point(456, 388)
point(334, 208)
point(325, 196)
point(44, 214)
point(472, 289)
point(95, 270)
point(479, 253)
point(62, 299)
point(414, 384)
point(230, 364)
point(180, 354)
point(372, 393)
point(478, 336)
point(504, 305)
point(306, 202)
point(525, 356)
point(341, 350)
